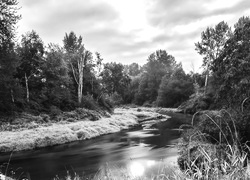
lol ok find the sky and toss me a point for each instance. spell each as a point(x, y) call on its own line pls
point(128, 31)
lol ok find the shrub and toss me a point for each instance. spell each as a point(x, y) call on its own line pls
point(54, 111)
point(197, 102)
point(116, 99)
point(89, 102)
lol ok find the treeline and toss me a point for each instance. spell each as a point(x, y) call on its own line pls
point(51, 78)
point(226, 62)
point(160, 82)
point(39, 77)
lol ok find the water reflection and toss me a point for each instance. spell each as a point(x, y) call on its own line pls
point(138, 150)
point(138, 168)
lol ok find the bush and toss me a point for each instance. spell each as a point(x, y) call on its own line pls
point(54, 111)
point(197, 102)
point(89, 102)
point(116, 99)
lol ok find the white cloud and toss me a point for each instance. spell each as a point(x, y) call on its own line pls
point(129, 31)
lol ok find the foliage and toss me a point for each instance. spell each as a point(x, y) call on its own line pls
point(132, 89)
point(133, 69)
point(114, 79)
point(211, 148)
point(78, 58)
point(231, 68)
point(159, 64)
point(212, 42)
point(174, 90)
point(56, 79)
point(197, 102)
point(8, 20)
point(29, 73)
point(9, 88)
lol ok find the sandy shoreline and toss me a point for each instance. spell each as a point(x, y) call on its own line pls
point(64, 132)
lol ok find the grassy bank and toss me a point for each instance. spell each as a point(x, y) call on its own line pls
point(210, 150)
point(53, 133)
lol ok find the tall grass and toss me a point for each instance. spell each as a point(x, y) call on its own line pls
point(226, 158)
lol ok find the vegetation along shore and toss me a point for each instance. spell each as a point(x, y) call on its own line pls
point(53, 94)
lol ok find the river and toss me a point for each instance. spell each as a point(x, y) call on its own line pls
point(136, 149)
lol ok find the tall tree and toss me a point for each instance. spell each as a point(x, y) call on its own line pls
point(159, 64)
point(211, 45)
point(176, 89)
point(114, 79)
point(232, 68)
point(56, 78)
point(8, 57)
point(31, 52)
point(78, 57)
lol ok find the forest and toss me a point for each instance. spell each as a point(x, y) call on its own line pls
point(49, 78)
point(36, 77)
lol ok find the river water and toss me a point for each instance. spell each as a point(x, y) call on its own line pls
point(136, 150)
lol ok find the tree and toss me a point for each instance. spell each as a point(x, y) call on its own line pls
point(8, 20)
point(241, 22)
point(159, 64)
point(8, 57)
point(176, 89)
point(211, 45)
point(56, 78)
point(133, 69)
point(31, 52)
point(78, 57)
point(232, 68)
point(114, 79)
point(8, 85)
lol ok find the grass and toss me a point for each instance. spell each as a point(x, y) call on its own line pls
point(225, 158)
point(205, 155)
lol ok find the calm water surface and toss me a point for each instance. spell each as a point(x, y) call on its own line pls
point(140, 149)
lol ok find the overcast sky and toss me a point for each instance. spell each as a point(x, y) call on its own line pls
point(129, 31)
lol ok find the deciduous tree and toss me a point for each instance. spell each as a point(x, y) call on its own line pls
point(78, 57)
point(31, 52)
point(232, 68)
point(211, 45)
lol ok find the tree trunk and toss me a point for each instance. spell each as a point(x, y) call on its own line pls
point(80, 79)
point(206, 81)
point(80, 87)
point(27, 89)
point(12, 96)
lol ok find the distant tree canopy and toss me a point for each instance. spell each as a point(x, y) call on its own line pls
point(159, 64)
point(176, 89)
point(114, 79)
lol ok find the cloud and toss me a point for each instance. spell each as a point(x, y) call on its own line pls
point(129, 31)
point(168, 13)
point(51, 18)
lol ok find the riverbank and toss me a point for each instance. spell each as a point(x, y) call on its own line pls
point(55, 133)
